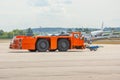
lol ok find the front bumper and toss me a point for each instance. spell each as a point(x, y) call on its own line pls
point(15, 46)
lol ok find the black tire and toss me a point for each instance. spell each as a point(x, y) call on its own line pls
point(63, 45)
point(32, 50)
point(42, 45)
point(95, 49)
point(91, 49)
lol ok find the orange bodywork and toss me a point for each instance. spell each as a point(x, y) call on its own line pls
point(29, 42)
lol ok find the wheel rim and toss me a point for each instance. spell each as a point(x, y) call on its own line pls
point(42, 45)
point(63, 45)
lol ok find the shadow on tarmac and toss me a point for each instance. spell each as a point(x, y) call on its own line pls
point(70, 51)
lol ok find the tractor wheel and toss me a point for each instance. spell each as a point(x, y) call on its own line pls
point(91, 49)
point(42, 45)
point(95, 49)
point(63, 45)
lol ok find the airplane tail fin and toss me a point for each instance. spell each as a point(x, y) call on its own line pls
point(102, 26)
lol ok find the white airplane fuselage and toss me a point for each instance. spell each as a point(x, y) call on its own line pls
point(97, 33)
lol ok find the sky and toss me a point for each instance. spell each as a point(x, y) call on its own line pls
point(22, 14)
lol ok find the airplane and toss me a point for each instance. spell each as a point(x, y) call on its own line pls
point(95, 35)
point(98, 32)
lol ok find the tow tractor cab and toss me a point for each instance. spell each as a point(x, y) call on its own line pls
point(60, 42)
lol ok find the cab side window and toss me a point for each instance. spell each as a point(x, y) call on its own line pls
point(76, 35)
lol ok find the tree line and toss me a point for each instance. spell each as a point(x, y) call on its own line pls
point(11, 34)
point(29, 32)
